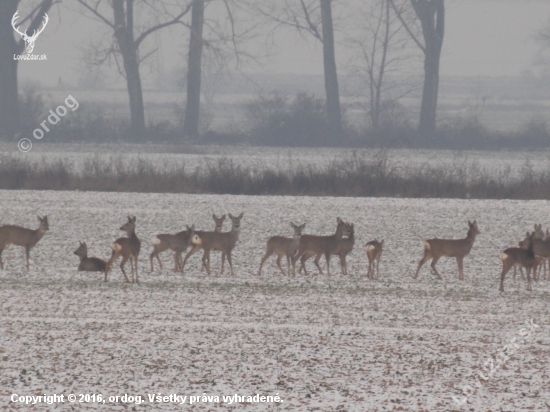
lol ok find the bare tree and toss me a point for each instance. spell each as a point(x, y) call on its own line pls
point(192, 107)
point(127, 44)
point(315, 18)
point(9, 95)
point(431, 15)
point(381, 44)
point(224, 36)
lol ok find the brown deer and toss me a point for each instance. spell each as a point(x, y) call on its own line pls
point(20, 236)
point(128, 248)
point(458, 248)
point(374, 253)
point(178, 243)
point(523, 244)
point(516, 256)
point(218, 229)
point(283, 246)
point(224, 242)
point(311, 245)
point(89, 264)
point(345, 246)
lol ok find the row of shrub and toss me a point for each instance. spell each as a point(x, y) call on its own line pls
point(274, 120)
point(355, 175)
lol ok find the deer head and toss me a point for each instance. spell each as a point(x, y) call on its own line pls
point(29, 40)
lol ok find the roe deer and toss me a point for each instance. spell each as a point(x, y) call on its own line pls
point(89, 264)
point(178, 243)
point(20, 236)
point(283, 246)
point(374, 253)
point(218, 229)
point(524, 244)
point(458, 248)
point(224, 242)
point(128, 248)
point(345, 246)
point(516, 256)
point(320, 245)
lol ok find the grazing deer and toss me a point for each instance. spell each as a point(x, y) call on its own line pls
point(320, 245)
point(20, 236)
point(374, 253)
point(89, 264)
point(224, 242)
point(178, 243)
point(516, 256)
point(458, 248)
point(128, 248)
point(283, 246)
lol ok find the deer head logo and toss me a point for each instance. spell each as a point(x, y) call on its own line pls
point(29, 40)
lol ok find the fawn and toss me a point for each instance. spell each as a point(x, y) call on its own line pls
point(320, 245)
point(458, 248)
point(128, 248)
point(20, 236)
point(89, 264)
point(283, 246)
point(516, 256)
point(178, 243)
point(374, 253)
point(224, 242)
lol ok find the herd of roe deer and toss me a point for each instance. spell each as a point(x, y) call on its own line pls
point(531, 253)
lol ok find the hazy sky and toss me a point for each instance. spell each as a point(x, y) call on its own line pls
point(483, 38)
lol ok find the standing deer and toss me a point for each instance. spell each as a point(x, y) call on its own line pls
point(344, 248)
point(283, 246)
point(89, 264)
point(374, 253)
point(178, 243)
point(524, 244)
point(218, 229)
point(128, 248)
point(516, 256)
point(224, 242)
point(320, 245)
point(20, 236)
point(458, 248)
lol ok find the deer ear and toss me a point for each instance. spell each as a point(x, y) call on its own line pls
point(292, 225)
point(214, 216)
point(303, 225)
point(222, 217)
point(231, 216)
point(39, 218)
point(241, 215)
point(382, 242)
point(134, 219)
point(340, 221)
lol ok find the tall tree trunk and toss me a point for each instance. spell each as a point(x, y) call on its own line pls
point(124, 34)
point(192, 108)
point(9, 99)
point(331, 77)
point(431, 14)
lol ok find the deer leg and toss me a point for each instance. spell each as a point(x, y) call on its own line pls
point(460, 263)
point(279, 257)
point(230, 262)
point(223, 260)
point(342, 259)
point(377, 268)
point(193, 250)
point(327, 258)
point(131, 258)
point(136, 267)
point(27, 253)
point(528, 270)
point(1, 264)
point(303, 261)
point(427, 256)
point(124, 259)
point(434, 262)
point(317, 258)
point(206, 260)
point(266, 256)
point(288, 263)
point(505, 268)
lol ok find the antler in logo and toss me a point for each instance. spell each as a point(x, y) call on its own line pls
point(29, 40)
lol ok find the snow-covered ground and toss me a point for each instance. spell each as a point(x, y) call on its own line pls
point(320, 343)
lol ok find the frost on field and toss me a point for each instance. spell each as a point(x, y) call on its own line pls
point(344, 343)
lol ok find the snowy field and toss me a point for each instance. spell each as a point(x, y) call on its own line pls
point(320, 343)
